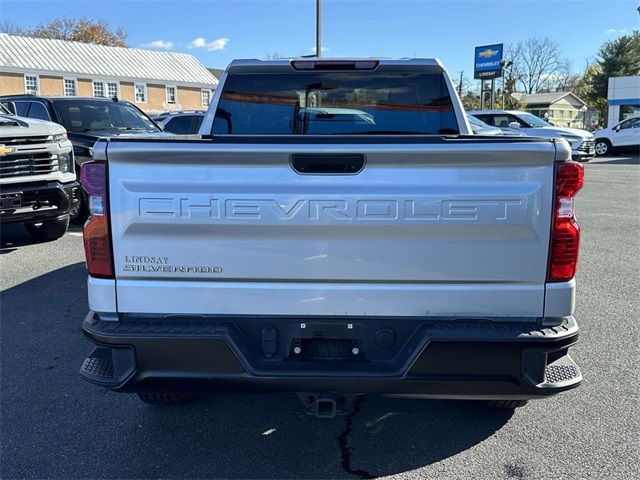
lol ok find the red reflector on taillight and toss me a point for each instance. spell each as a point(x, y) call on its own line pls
point(97, 238)
point(569, 179)
point(565, 234)
point(97, 247)
point(93, 177)
point(564, 250)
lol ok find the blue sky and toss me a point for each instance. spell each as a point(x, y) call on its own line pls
point(217, 31)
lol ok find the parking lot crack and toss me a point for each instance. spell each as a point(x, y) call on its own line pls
point(343, 441)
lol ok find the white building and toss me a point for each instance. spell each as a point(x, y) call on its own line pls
point(623, 98)
point(154, 81)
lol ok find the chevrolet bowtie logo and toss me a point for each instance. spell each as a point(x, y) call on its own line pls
point(5, 150)
point(488, 53)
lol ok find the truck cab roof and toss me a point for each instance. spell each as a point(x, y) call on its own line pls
point(326, 63)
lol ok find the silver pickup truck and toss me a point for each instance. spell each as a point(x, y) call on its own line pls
point(336, 231)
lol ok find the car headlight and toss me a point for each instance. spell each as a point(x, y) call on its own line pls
point(60, 137)
point(571, 139)
point(65, 162)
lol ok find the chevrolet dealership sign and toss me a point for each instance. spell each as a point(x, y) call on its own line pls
point(488, 62)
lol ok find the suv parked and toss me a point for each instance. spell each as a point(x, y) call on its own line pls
point(622, 136)
point(186, 122)
point(38, 185)
point(582, 142)
point(86, 119)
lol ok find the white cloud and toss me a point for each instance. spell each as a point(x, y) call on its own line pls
point(217, 44)
point(161, 44)
point(613, 31)
point(322, 49)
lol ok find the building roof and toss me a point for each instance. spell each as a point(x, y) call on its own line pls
point(543, 98)
point(216, 72)
point(60, 57)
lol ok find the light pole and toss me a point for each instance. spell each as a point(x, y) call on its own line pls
point(504, 86)
point(318, 28)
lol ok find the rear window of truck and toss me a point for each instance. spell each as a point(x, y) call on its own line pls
point(335, 103)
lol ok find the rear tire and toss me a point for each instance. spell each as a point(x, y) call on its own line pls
point(506, 404)
point(165, 399)
point(48, 230)
point(603, 147)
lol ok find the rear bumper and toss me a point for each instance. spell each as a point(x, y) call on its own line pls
point(432, 358)
point(39, 201)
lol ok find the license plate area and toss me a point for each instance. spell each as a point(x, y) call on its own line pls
point(330, 342)
point(10, 201)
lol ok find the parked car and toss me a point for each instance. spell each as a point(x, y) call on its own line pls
point(480, 128)
point(385, 251)
point(582, 142)
point(622, 136)
point(38, 186)
point(86, 119)
point(186, 122)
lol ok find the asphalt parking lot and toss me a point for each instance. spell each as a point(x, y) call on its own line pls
point(54, 425)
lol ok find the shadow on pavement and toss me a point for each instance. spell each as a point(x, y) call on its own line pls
point(57, 426)
point(14, 235)
point(626, 160)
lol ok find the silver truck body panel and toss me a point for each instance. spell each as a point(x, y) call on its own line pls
point(440, 229)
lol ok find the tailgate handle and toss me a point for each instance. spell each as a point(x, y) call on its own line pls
point(327, 163)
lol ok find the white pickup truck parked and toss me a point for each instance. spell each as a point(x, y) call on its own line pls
point(38, 184)
point(336, 231)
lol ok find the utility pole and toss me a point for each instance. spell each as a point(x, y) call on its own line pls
point(318, 28)
point(493, 93)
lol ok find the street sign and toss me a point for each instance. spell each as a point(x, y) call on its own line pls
point(488, 62)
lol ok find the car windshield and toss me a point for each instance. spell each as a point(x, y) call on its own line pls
point(533, 120)
point(89, 115)
point(335, 103)
point(477, 122)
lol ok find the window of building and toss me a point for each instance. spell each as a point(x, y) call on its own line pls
point(98, 89)
point(112, 90)
point(31, 84)
point(105, 89)
point(140, 92)
point(70, 87)
point(629, 110)
point(206, 97)
point(171, 94)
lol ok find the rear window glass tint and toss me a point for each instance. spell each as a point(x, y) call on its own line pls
point(335, 103)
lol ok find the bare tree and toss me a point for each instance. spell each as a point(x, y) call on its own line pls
point(11, 28)
point(468, 92)
point(65, 28)
point(537, 63)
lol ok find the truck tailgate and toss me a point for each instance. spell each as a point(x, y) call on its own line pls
point(424, 229)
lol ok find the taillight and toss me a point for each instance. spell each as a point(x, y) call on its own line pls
point(97, 238)
point(565, 235)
